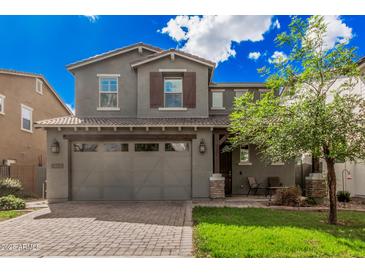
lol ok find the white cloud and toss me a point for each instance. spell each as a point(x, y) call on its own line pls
point(276, 24)
point(337, 31)
point(277, 57)
point(254, 55)
point(71, 108)
point(211, 36)
point(92, 18)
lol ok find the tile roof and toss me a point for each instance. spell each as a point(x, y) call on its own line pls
point(238, 85)
point(162, 53)
point(73, 121)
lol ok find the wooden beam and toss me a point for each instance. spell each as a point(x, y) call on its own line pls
point(129, 137)
point(216, 153)
point(223, 139)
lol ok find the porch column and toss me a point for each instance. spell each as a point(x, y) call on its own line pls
point(216, 153)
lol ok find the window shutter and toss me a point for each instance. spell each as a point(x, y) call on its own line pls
point(156, 89)
point(189, 89)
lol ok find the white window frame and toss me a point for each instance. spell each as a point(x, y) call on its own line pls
point(100, 77)
point(2, 100)
point(164, 94)
point(245, 162)
point(39, 86)
point(31, 118)
point(239, 92)
point(222, 95)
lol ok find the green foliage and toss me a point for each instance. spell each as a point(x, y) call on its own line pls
point(266, 233)
point(287, 197)
point(343, 196)
point(11, 202)
point(317, 111)
point(10, 186)
point(4, 215)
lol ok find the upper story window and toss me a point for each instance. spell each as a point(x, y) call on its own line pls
point(244, 155)
point(217, 100)
point(240, 92)
point(108, 92)
point(2, 104)
point(173, 92)
point(26, 118)
point(39, 86)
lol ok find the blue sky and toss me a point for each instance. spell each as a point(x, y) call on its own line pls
point(45, 44)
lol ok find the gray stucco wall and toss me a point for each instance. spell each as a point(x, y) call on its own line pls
point(260, 170)
point(228, 99)
point(144, 109)
point(57, 168)
point(58, 164)
point(87, 85)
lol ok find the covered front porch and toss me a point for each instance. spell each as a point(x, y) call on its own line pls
point(240, 164)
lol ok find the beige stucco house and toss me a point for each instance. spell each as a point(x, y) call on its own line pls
point(149, 125)
point(24, 99)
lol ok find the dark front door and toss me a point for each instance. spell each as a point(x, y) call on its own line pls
point(225, 165)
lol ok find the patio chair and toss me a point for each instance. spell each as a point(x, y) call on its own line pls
point(254, 186)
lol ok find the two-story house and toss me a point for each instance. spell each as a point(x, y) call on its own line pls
point(149, 125)
point(25, 98)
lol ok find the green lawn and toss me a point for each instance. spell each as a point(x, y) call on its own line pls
point(258, 232)
point(4, 215)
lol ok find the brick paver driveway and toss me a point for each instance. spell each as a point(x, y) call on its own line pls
point(101, 229)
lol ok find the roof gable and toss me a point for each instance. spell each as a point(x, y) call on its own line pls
point(39, 76)
point(172, 53)
point(112, 53)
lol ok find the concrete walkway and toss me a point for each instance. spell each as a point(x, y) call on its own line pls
point(101, 229)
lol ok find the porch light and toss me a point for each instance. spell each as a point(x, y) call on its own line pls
point(202, 146)
point(55, 147)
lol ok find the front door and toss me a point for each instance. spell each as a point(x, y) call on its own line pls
point(225, 165)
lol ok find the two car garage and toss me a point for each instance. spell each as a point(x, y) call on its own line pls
point(132, 170)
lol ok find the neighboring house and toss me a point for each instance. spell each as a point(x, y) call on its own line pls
point(149, 125)
point(25, 98)
point(355, 183)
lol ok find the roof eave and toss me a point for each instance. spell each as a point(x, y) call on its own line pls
point(109, 54)
point(39, 76)
point(169, 52)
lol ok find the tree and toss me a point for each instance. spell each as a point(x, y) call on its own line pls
point(310, 106)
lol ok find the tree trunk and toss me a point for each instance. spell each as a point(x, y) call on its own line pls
point(315, 165)
point(331, 178)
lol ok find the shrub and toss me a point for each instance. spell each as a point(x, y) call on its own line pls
point(287, 197)
point(343, 196)
point(11, 202)
point(10, 186)
point(311, 201)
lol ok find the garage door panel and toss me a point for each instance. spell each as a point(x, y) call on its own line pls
point(177, 193)
point(116, 193)
point(109, 174)
point(89, 192)
point(148, 193)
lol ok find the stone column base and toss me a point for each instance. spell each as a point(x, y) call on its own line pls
point(216, 186)
point(315, 187)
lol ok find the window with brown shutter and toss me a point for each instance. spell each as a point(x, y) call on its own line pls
point(156, 89)
point(189, 90)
